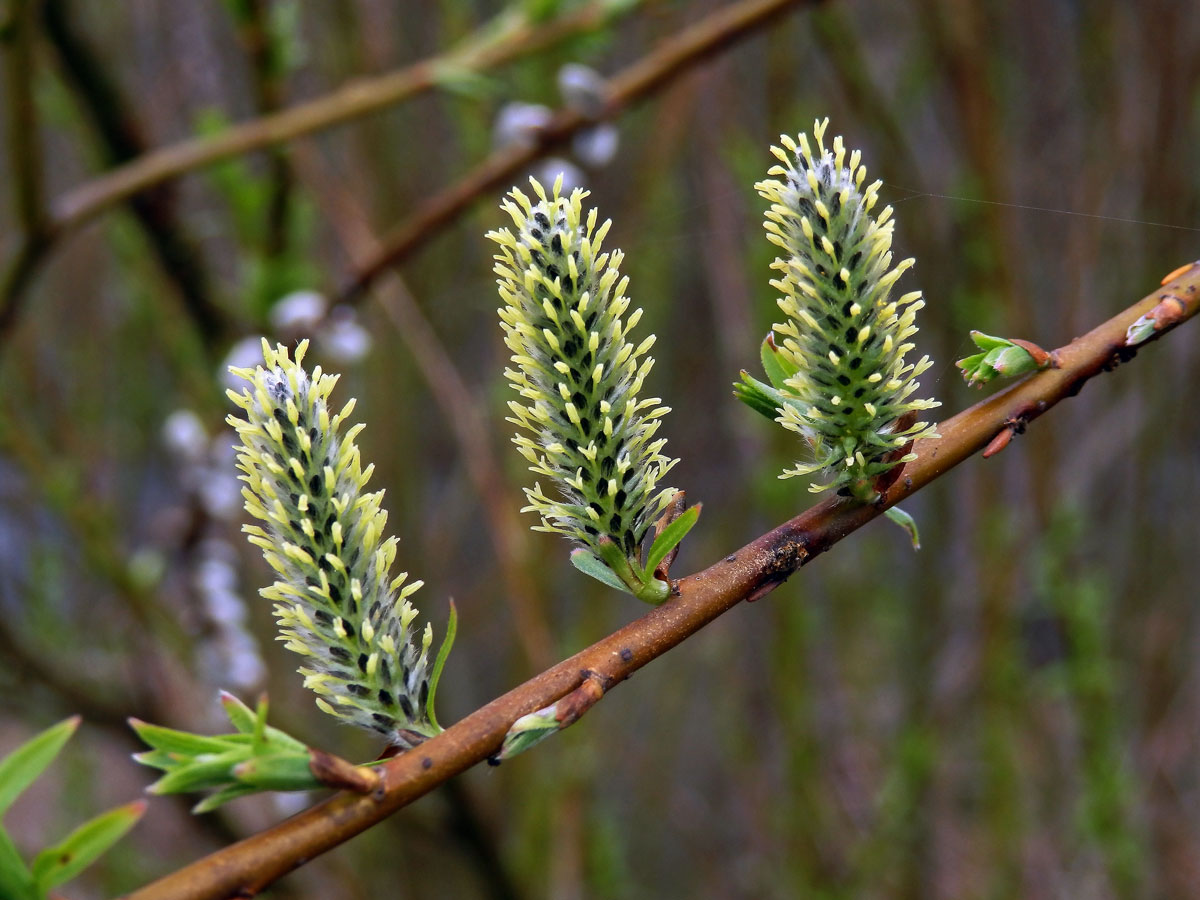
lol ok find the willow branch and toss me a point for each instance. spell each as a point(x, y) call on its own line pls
point(654, 71)
point(511, 39)
point(747, 574)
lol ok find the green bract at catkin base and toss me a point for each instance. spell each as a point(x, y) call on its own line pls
point(578, 377)
point(839, 373)
point(323, 534)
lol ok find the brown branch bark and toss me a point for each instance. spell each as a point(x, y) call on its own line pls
point(671, 59)
point(747, 574)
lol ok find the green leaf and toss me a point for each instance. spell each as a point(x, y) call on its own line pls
point(907, 522)
point(528, 731)
point(587, 563)
point(438, 664)
point(670, 538)
point(16, 881)
point(223, 796)
point(778, 369)
point(987, 342)
point(181, 742)
point(761, 398)
point(200, 773)
point(239, 714)
point(21, 768)
point(84, 845)
point(277, 772)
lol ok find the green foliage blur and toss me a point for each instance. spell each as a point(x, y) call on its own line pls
point(1014, 711)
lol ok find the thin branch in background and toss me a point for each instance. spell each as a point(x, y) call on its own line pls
point(505, 530)
point(746, 575)
point(503, 41)
point(24, 146)
point(122, 139)
point(24, 156)
point(671, 59)
point(508, 38)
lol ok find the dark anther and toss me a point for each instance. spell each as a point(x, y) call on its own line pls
point(541, 219)
point(340, 653)
point(535, 233)
point(844, 380)
point(358, 690)
point(552, 271)
point(556, 243)
point(855, 363)
point(620, 499)
point(851, 334)
point(362, 662)
point(385, 721)
point(314, 485)
point(406, 705)
point(385, 698)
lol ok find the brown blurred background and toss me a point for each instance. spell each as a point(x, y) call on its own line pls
point(1014, 711)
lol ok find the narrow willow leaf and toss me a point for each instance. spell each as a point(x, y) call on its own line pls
point(670, 537)
point(438, 664)
point(16, 881)
point(277, 772)
point(23, 765)
point(587, 563)
point(907, 522)
point(762, 398)
point(84, 845)
point(223, 796)
point(182, 743)
point(778, 367)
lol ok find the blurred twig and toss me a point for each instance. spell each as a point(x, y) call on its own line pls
point(672, 58)
point(747, 574)
point(505, 39)
point(25, 157)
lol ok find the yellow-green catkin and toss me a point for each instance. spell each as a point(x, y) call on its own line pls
point(844, 335)
point(578, 374)
point(322, 532)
